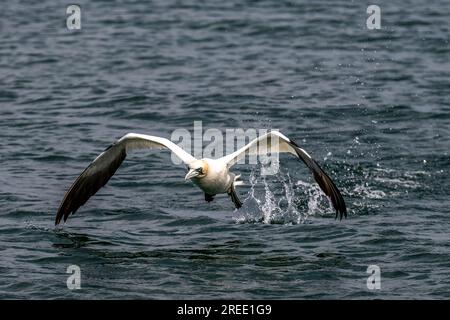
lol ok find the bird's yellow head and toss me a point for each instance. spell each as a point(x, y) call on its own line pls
point(197, 169)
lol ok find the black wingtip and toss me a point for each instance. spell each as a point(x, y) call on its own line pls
point(341, 213)
point(341, 208)
point(58, 218)
point(325, 183)
point(88, 183)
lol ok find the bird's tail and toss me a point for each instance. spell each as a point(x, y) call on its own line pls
point(238, 182)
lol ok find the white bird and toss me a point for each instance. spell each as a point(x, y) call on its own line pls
point(213, 176)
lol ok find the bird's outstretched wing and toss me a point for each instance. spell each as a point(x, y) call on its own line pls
point(97, 174)
point(282, 144)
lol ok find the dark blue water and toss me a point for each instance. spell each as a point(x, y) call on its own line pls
point(372, 106)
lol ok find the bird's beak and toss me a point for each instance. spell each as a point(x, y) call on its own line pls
point(191, 174)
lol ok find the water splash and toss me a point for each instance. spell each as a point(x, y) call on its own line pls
point(282, 200)
point(278, 200)
point(317, 203)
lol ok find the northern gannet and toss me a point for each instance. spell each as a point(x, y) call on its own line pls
point(211, 175)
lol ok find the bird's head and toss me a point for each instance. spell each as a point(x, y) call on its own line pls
point(197, 169)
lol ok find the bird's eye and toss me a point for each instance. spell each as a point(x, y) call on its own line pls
point(199, 170)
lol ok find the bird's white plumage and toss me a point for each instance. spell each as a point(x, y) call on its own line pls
point(218, 179)
point(135, 141)
point(273, 141)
